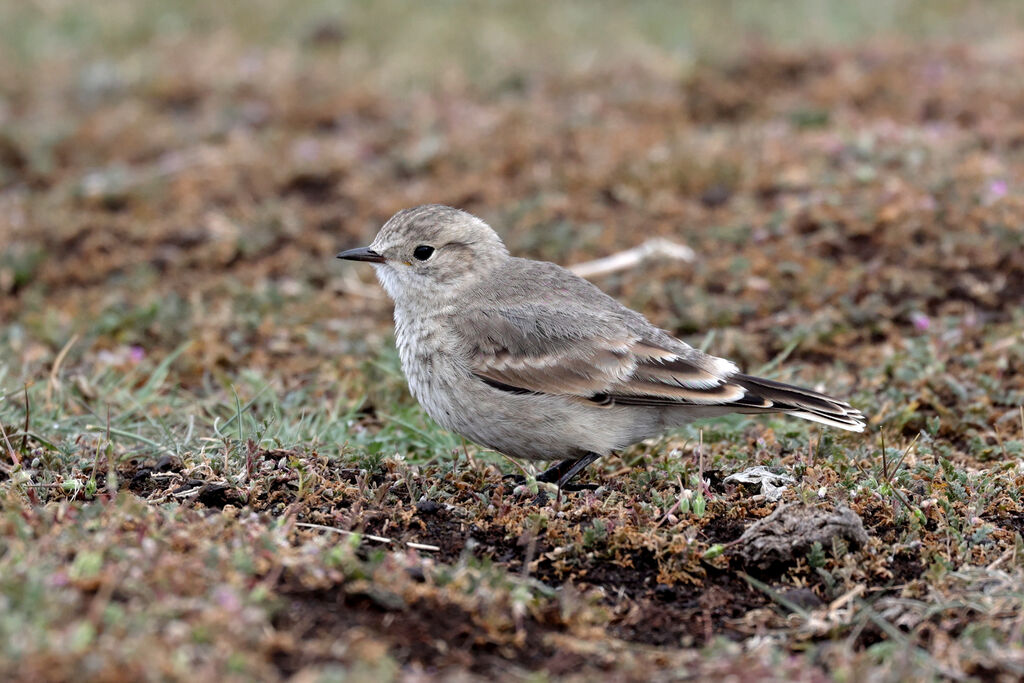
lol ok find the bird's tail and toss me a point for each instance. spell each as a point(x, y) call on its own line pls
point(768, 396)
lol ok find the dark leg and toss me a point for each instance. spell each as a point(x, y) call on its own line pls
point(562, 473)
point(565, 471)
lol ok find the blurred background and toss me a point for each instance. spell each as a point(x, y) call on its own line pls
point(171, 173)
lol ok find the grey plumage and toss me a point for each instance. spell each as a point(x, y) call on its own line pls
point(528, 359)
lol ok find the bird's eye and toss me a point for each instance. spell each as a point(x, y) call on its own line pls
point(423, 252)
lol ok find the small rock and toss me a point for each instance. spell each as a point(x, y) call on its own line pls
point(804, 598)
point(166, 463)
point(217, 495)
point(772, 484)
point(428, 507)
point(664, 592)
point(788, 533)
point(716, 195)
point(327, 32)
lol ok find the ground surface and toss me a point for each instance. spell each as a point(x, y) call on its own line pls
point(210, 468)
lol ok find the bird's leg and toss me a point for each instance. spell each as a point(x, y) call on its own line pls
point(562, 473)
point(565, 471)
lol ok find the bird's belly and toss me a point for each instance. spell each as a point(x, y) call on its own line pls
point(532, 426)
point(536, 427)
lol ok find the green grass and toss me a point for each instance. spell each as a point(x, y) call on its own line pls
point(491, 42)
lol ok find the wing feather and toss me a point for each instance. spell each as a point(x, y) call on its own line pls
point(607, 355)
point(532, 350)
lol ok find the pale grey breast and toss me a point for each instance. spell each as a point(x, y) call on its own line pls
point(431, 365)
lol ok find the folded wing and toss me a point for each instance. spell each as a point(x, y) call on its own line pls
point(614, 357)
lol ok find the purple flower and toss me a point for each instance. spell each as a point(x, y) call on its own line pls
point(136, 354)
point(997, 189)
point(58, 579)
point(227, 599)
point(920, 321)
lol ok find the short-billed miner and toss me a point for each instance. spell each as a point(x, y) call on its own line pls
point(526, 358)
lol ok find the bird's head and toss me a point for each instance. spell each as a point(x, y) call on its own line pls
point(428, 254)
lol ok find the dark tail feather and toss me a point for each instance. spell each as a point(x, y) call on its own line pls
point(768, 396)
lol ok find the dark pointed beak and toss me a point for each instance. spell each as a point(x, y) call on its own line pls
point(361, 254)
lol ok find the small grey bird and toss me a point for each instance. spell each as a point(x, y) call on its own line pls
point(526, 358)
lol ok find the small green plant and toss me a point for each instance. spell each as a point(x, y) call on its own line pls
point(595, 534)
point(816, 556)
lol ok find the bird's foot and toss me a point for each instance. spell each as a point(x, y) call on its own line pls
point(561, 474)
point(564, 472)
point(520, 480)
